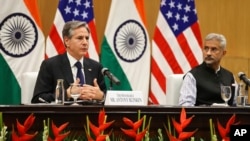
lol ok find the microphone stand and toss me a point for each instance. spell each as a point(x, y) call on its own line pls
point(110, 85)
point(111, 82)
point(246, 94)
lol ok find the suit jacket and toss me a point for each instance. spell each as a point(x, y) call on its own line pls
point(58, 67)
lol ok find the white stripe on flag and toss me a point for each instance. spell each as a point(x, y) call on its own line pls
point(175, 47)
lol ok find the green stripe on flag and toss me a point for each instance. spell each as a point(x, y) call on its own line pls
point(10, 90)
point(107, 56)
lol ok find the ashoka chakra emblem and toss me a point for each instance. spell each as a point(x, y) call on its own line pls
point(130, 41)
point(18, 35)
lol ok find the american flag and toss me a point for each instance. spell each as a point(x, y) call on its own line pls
point(176, 45)
point(69, 10)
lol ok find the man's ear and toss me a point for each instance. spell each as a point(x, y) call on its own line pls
point(224, 52)
point(66, 41)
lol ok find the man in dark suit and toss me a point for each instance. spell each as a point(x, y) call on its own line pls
point(76, 40)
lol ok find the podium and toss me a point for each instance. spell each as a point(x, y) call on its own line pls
point(76, 116)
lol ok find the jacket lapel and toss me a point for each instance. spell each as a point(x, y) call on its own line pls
point(67, 72)
point(88, 71)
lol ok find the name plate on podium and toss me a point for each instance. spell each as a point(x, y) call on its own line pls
point(128, 98)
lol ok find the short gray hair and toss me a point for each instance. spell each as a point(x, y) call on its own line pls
point(219, 37)
point(72, 25)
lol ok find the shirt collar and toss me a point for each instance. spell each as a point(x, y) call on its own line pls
point(211, 69)
point(217, 70)
point(72, 60)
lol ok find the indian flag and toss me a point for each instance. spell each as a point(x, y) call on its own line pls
point(21, 46)
point(126, 49)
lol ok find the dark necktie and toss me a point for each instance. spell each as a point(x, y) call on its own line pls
point(79, 73)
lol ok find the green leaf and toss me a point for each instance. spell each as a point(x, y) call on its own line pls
point(1, 120)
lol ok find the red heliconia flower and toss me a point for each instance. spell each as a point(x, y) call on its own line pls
point(101, 117)
point(89, 138)
point(130, 123)
point(101, 138)
point(98, 130)
point(225, 131)
point(21, 134)
point(172, 138)
point(135, 126)
point(129, 132)
point(57, 130)
point(102, 121)
point(186, 135)
point(132, 133)
point(24, 137)
point(179, 127)
point(22, 129)
point(98, 138)
point(140, 135)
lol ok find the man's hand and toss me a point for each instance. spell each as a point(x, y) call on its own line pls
point(91, 92)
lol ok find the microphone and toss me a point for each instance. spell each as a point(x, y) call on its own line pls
point(105, 71)
point(243, 77)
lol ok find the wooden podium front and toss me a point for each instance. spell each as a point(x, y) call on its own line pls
point(76, 116)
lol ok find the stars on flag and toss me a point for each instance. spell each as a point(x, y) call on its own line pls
point(178, 15)
point(77, 10)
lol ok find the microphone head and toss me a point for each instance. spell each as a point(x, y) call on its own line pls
point(103, 70)
point(241, 74)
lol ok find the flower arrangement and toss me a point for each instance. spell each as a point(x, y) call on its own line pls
point(179, 127)
point(223, 131)
point(57, 130)
point(22, 134)
point(98, 131)
point(137, 130)
point(134, 132)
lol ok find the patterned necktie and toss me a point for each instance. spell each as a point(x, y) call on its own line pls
point(79, 73)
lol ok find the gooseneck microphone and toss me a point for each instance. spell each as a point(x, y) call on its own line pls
point(244, 78)
point(105, 71)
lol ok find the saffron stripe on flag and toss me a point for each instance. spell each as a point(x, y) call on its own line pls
point(126, 47)
point(23, 56)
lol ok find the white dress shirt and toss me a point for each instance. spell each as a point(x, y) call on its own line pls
point(72, 62)
point(188, 92)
